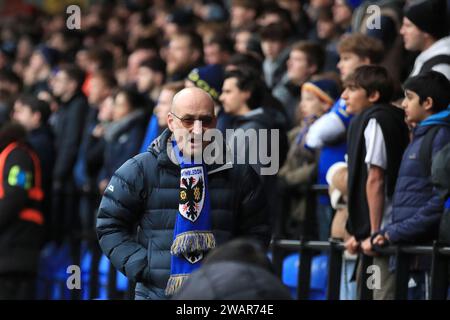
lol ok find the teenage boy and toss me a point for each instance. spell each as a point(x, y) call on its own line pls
point(329, 131)
point(416, 206)
point(376, 139)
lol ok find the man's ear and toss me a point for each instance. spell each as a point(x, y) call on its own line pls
point(312, 69)
point(196, 55)
point(170, 121)
point(374, 96)
point(366, 61)
point(247, 95)
point(428, 104)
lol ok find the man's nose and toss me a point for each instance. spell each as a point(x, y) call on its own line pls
point(344, 94)
point(198, 127)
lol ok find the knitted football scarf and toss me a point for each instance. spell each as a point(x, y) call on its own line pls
point(192, 236)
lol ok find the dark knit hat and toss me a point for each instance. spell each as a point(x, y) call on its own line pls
point(51, 55)
point(181, 17)
point(430, 16)
point(208, 78)
point(353, 4)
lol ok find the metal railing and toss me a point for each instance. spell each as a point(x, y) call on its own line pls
point(334, 247)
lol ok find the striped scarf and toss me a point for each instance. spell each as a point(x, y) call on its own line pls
point(192, 236)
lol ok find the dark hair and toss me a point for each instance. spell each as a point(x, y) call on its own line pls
point(149, 43)
point(195, 41)
point(245, 60)
point(223, 42)
point(133, 97)
point(102, 57)
point(274, 32)
point(431, 84)
point(156, 64)
point(11, 77)
point(372, 78)
point(248, 4)
point(240, 250)
point(36, 105)
point(314, 52)
point(107, 77)
point(74, 73)
point(248, 79)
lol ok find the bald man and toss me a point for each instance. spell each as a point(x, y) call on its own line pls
point(140, 206)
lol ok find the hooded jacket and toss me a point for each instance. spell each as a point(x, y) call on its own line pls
point(417, 206)
point(440, 47)
point(123, 139)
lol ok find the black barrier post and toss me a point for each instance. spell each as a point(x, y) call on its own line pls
point(277, 258)
point(365, 293)
point(304, 272)
point(401, 275)
point(95, 264)
point(75, 251)
point(439, 274)
point(334, 270)
point(129, 294)
point(112, 276)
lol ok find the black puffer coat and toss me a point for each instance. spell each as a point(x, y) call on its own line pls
point(143, 196)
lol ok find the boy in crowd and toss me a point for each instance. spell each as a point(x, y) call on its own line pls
point(376, 139)
point(305, 60)
point(33, 115)
point(301, 163)
point(416, 206)
point(328, 132)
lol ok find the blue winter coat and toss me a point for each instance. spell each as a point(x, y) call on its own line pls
point(122, 141)
point(417, 207)
point(137, 214)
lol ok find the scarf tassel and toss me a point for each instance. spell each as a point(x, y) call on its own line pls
point(192, 241)
point(174, 283)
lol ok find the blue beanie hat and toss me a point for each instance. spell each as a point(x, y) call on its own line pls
point(208, 78)
point(326, 90)
point(353, 4)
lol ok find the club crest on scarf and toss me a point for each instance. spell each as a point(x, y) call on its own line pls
point(193, 257)
point(191, 193)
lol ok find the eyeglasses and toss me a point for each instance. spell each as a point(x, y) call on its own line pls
point(188, 121)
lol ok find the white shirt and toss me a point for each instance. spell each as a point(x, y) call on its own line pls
point(376, 155)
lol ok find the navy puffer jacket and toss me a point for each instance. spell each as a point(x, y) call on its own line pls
point(417, 207)
point(137, 214)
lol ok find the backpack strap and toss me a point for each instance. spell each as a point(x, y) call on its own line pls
point(439, 59)
point(426, 148)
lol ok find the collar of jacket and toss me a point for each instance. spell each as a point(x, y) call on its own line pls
point(440, 118)
point(114, 129)
point(159, 148)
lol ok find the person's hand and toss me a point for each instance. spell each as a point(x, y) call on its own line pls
point(102, 186)
point(366, 247)
point(98, 131)
point(351, 245)
point(379, 240)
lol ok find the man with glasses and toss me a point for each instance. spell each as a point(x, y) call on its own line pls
point(161, 212)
